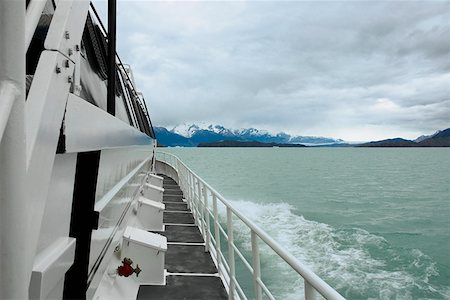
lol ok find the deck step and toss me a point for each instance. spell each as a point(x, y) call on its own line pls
point(182, 234)
point(186, 287)
point(199, 261)
point(173, 206)
point(172, 197)
point(178, 218)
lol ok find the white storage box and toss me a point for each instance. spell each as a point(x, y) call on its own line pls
point(147, 250)
point(153, 192)
point(150, 214)
point(155, 180)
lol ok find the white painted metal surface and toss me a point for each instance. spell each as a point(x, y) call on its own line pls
point(190, 185)
point(147, 250)
point(150, 214)
point(34, 11)
point(36, 185)
point(14, 209)
point(58, 209)
point(117, 192)
point(155, 180)
point(9, 92)
point(153, 192)
point(88, 127)
point(67, 26)
point(49, 270)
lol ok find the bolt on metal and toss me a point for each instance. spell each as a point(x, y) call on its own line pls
point(67, 35)
point(66, 63)
point(70, 51)
point(70, 79)
point(58, 69)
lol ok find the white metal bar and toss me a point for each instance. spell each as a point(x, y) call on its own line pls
point(231, 261)
point(310, 292)
point(223, 232)
point(198, 203)
point(9, 92)
point(265, 289)
point(239, 290)
point(206, 219)
point(216, 231)
point(189, 191)
point(244, 261)
point(256, 266)
point(34, 12)
point(224, 263)
point(14, 206)
point(202, 211)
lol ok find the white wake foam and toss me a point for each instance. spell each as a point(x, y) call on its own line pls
point(359, 264)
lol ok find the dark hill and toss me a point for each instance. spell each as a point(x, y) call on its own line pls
point(435, 142)
point(443, 134)
point(171, 139)
point(442, 139)
point(397, 142)
point(232, 143)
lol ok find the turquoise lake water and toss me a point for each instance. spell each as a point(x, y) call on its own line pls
point(373, 223)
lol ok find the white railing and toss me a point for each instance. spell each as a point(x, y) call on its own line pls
point(198, 195)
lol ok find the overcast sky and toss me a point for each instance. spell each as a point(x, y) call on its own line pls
point(350, 70)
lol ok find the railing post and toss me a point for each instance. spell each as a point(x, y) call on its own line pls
point(198, 203)
point(231, 261)
point(206, 218)
point(194, 197)
point(310, 292)
point(216, 232)
point(256, 266)
point(200, 209)
point(189, 202)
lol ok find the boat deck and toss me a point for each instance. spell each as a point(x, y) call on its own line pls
point(191, 273)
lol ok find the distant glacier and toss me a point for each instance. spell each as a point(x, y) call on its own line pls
point(190, 135)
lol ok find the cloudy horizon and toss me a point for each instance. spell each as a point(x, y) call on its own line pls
point(350, 70)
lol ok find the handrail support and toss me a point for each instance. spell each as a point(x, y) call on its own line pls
point(231, 261)
point(256, 265)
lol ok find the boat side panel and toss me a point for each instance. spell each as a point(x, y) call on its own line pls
point(116, 197)
point(58, 208)
point(88, 128)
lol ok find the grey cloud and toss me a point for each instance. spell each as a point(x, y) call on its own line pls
point(293, 66)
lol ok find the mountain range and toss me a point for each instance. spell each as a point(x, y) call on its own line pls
point(190, 135)
point(439, 139)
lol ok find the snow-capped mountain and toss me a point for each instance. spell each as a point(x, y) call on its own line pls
point(425, 137)
point(190, 135)
point(186, 130)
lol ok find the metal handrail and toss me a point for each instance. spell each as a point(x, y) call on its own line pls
point(195, 188)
